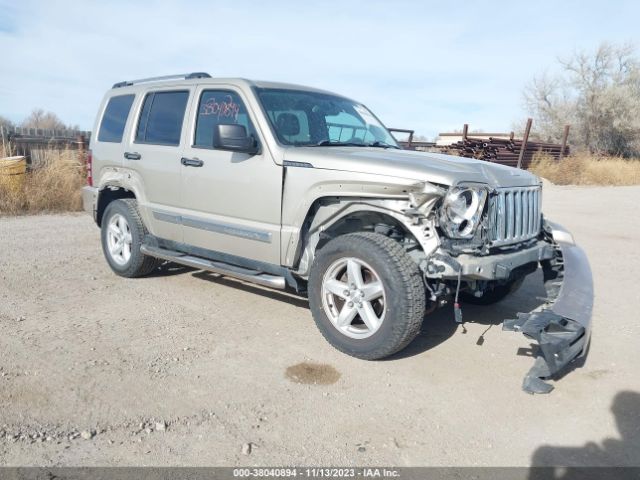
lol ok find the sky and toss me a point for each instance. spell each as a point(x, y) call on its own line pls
point(430, 66)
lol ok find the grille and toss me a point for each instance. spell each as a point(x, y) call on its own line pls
point(514, 215)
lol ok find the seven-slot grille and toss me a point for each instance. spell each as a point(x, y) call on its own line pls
point(514, 215)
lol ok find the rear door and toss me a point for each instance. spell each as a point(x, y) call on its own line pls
point(232, 199)
point(153, 155)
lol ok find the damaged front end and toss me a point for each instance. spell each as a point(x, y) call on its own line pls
point(476, 242)
point(511, 240)
point(562, 326)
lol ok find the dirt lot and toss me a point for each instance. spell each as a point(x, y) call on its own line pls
point(186, 368)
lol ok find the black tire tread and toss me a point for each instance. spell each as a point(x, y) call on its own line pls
point(409, 322)
point(141, 264)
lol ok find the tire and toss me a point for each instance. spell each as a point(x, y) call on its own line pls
point(394, 316)
point(123, 216)
point(495, 295)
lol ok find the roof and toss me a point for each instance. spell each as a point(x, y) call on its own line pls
point(202, 78)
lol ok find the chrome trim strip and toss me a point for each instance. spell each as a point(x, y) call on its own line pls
point(517, 230)
point(167, 217)
point(216, 227)
point(289, 163)
point(227, 229)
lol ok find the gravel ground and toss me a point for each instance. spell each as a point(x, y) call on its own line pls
point(187, 368)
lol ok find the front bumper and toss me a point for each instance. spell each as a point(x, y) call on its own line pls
point(490, 267)
point(562, 327)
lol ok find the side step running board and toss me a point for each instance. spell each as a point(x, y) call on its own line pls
point(221, 268)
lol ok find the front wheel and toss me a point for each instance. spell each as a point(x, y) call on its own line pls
point(366, 295)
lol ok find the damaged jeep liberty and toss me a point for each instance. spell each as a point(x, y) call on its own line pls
point(291, 187)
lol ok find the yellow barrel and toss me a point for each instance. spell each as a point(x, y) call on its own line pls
point(12, 173)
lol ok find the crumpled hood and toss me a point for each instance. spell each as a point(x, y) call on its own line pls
point(421, 166)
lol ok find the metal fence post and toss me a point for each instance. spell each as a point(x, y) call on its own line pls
point(565, 136)
point(81, 147)
point(524, 142)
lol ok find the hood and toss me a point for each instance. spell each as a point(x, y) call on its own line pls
point(421, 166)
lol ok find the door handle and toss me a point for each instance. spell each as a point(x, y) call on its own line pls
point(191, 162)
point(132, 155)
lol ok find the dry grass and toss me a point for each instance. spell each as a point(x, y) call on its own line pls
point(586, 169)
point(55, 187)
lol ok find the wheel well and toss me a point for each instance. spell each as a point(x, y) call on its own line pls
point(364, 221)
point(313, 236)
point(108, 195)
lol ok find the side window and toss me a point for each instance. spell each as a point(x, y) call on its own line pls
point(161, 118)
point(115, 118)
point(219, 107)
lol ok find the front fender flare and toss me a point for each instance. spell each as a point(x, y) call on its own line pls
point(329, 215)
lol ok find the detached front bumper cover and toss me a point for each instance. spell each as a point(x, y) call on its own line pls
point(562, 327)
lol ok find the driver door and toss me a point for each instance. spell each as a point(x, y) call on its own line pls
point(232, 200)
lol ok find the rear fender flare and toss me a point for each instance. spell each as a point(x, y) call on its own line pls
point(113, 178)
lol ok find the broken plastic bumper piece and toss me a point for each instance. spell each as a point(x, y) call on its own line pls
point(562, 327)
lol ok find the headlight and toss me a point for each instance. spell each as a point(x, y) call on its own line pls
point(461, 210)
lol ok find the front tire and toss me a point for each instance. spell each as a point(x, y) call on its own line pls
point(122, 233)
point(366, 295)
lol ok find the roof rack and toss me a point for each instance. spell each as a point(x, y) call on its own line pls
point(185, 76)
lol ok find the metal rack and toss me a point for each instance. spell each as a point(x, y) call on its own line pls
point(180, 76)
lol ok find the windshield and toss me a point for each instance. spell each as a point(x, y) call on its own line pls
point(307, 118)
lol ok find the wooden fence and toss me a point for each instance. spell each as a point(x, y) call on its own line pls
point(33, 142)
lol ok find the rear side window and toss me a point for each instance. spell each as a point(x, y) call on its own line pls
point(115, 118)
point(161, 118)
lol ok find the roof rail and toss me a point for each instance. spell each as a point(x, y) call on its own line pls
point(185, 76)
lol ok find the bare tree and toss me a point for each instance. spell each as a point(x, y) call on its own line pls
point(597, 93)
point(5, 122)
point(38, 118)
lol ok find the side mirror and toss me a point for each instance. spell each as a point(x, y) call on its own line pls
point(234, 137)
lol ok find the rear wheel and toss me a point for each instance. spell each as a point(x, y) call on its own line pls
point(366, 295)
point(122, 233)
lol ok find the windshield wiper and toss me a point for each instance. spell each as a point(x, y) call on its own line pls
point(379, 144)
point(329, 143)
point(376, 144)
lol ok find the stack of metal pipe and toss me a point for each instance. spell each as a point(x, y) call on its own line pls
point(503, 150)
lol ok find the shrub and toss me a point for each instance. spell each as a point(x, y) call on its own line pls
point(54, 187)
point(587, 169)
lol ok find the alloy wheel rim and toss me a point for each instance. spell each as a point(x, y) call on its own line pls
point(119, 239)
point(353, 297)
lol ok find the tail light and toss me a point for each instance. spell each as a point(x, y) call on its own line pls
point(89, 168)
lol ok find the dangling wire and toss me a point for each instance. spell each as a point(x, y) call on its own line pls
point(456, 306)
point(458, 286)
